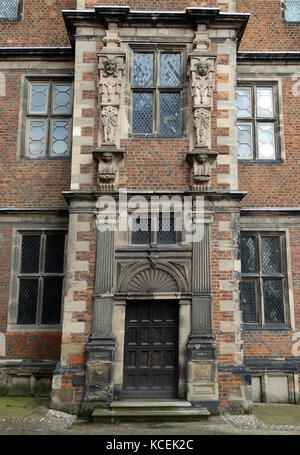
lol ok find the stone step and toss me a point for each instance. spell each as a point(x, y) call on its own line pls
point(158, 405)
point(163, 411)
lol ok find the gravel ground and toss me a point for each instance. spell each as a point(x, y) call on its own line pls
point(60, 423)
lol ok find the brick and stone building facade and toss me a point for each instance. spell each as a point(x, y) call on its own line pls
point(186, 101)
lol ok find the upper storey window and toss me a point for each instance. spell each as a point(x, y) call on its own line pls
point(258, 123)
point(292, 11)
point(10, 9)
point(48, 119)
point(156, 93)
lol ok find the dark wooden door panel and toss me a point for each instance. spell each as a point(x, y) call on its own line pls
point(151, 354)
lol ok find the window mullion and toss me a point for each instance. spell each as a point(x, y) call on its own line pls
point(41, 280)
point(261, 290)
point(156, 92)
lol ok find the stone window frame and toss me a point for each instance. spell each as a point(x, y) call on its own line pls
point(293, 390)
point(157, 49)
point(284, 14)
point(260, 324)
point(49, 116)
point(276, 119)
point(13, 305)
point(18, 16)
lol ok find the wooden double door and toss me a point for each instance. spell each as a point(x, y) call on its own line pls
point(151, 349)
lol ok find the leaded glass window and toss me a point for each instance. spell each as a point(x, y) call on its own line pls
point(263, 283)
point(40, 279)
point(257, 124)
point(156, 93)
point(158, 230)
point(292, 11)
point(10, 9)
point(48, 119)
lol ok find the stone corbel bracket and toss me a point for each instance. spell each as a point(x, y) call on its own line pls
point(201, 162)
point(108, 159)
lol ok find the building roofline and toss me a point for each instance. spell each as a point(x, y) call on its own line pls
point(258, 57)
point(282, 211)
point(132, 18)
point(48, 53)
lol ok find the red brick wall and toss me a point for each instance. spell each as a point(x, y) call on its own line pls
point(26, 182)
point(277, 185)
point(42, 24)
point(266, 30)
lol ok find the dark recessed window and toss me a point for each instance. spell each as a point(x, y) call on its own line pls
point(165, 233)
point(40, 279)
point(10, 9)
point(257, 122)
point(48, 119)
point(156, 93)
point(263, 279)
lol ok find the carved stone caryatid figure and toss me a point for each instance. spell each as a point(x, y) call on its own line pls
point(201, 76)
point(201, 172)
point(202, 84)
point(109, 115)
point(110, 83)
point(111, 75)
point(201, 120)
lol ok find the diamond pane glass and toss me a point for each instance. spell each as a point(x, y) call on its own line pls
point(244, 137)
point(143, 65)
point(244, 102)
point(142, 113)
point(143, 234)
point(39, 97)
point(248, 300)
point(60, 137)
point(266, 145)
point(30, 254)
point(264, 101)
point(54, 261)
point(36, 139)
point(293, 10)
point(248, 254)
point(52, 297)
point(273, 301)
point(28, 293)
point(9, 9)
point(62, 98)
point(170, 114)
point(170, 70)
point(166, 233)
point(270, 255)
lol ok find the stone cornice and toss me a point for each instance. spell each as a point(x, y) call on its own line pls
point(125, 17)
point(90, 195)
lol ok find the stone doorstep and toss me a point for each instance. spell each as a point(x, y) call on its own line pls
point(150, 409)
point(150, 403)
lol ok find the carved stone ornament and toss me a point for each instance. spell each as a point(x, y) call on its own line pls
point(109, 116)
point(201, 168)
point(201, 41)
point(201, 121)
point(108, 167)
point(111, 64)
point(202, 81)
